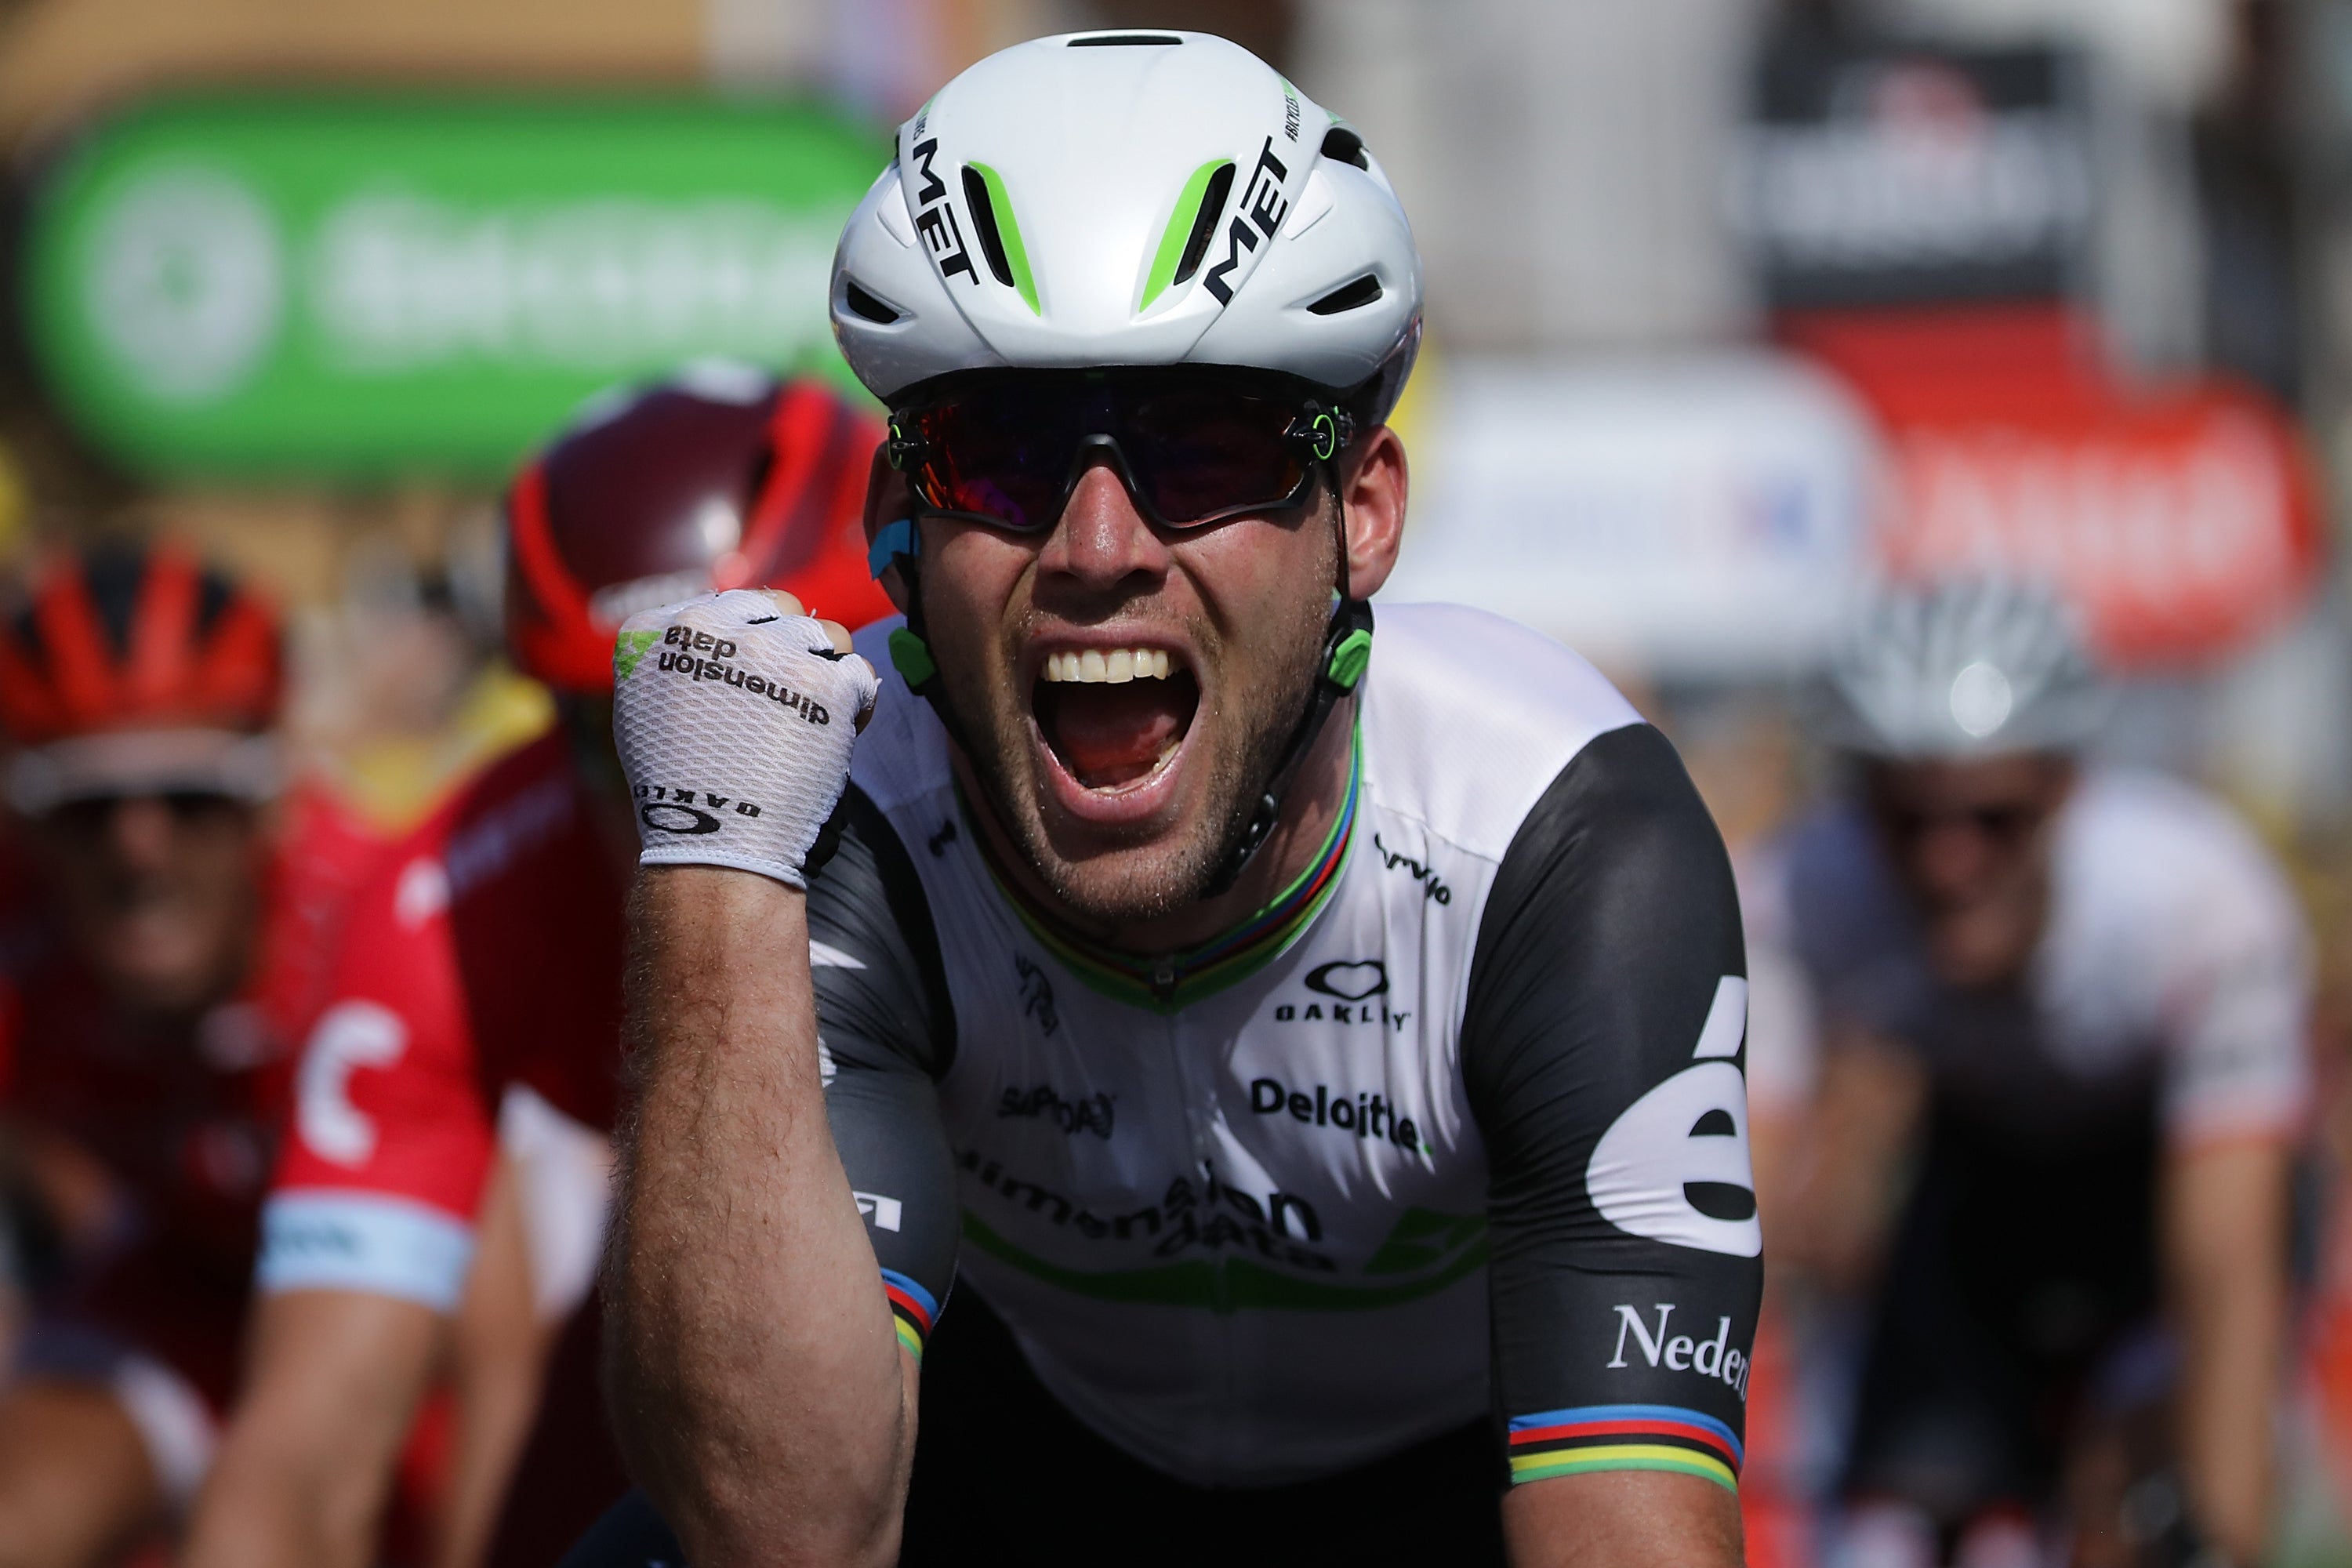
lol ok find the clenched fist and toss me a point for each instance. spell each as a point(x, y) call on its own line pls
point(734, 715)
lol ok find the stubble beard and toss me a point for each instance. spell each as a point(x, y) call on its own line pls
point(1257, 718)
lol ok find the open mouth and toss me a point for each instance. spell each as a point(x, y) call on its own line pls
point(1113, 717)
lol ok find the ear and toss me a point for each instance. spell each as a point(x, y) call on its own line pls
point(887, 499)
point(1373, 481)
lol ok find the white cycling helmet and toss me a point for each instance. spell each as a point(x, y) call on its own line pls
point(1130, 198)
point(1976, 667)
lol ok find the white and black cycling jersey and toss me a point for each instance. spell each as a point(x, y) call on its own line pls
point(2172, 978)
point(2164, 1008)
point(1456, 1125)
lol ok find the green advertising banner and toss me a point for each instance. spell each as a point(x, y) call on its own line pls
point(369, 286)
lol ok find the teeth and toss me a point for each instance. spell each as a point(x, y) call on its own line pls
point(1124, 664)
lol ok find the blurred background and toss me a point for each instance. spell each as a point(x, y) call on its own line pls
point(1733, 304)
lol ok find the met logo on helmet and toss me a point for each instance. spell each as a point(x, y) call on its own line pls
point(1262, 203)
point(935, 215)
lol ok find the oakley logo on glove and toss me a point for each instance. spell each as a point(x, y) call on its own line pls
point(673, 811)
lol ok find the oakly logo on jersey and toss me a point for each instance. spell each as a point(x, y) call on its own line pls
point(1673, 1165)
point(935, 216)
point(1357, 988)
point(683, 652)
point(1716, 1357)
point(1086, 1113)
point(1432, 887)
point(681, 811)
point(1210, 1215)
point(1366, 1116)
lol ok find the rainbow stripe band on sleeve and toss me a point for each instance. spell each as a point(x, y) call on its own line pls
point(912, 1309)
point(1623, 1437)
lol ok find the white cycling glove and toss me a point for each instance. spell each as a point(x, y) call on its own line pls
point(734, 723)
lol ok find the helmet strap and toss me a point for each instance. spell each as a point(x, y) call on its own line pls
point(1346, 651)
point(899, 543)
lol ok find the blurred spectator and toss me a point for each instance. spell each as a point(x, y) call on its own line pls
point(164, 945)
point(478, 1006)
point(2073, 1002)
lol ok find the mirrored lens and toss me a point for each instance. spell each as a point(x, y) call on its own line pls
point(1193, 453)
point(1202, 454)
point(1003, 458)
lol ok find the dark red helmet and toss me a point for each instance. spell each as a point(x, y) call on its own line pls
point(721, 478)
point(128, 637)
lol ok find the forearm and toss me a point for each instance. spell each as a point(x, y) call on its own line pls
point(761, 1398)
point(498, 1359)
point(308, 1460)
point(258, 1511)
point(1621, 1519)
point(2226, 1235)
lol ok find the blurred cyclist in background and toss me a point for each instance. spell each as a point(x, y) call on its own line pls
point(2080, 995)
point(152, 984)
point(478, 1004)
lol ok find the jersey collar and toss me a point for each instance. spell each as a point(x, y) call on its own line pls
point(1172, 982)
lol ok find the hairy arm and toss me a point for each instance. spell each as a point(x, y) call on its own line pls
point(1628, 1518)
point(2224, 1231)
point(302, 1476)
point(762, 1397)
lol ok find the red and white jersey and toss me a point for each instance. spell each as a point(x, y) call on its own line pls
point(183, 1118)
point(485, 957)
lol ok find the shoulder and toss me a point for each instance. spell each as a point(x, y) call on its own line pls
point(516, 808)
point(395, 945)
point(1469, 719)
point(2140, 848)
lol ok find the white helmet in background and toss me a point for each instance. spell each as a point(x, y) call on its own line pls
point(1130, 198)
point(1975, 667)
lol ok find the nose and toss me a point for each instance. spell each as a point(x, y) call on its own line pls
point(1951, 858)
point(1102, 546)
point(139, 833)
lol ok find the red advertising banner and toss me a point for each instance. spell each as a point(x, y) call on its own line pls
point(2185, 523)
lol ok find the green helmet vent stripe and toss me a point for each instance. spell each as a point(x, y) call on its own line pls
point(995, 219)
point(1186, 238)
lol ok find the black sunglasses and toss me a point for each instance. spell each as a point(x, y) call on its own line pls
point(2007, 823)
point(1193, 445)
point(88, 817)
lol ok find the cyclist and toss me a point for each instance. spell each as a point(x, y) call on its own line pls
point(478, 1002)
point(2081, 993)
point(1317, 1042)
point(154, 978)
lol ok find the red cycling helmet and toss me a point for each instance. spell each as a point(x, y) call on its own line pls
point(133, 669)
point(720, 479)
point(131, 637)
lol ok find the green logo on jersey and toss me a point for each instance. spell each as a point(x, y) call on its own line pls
point(1423, 1239)
point(630, 648)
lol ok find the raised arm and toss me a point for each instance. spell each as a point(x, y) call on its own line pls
point(1601, 1048)
point(763, 1398)
point(762, 1394)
